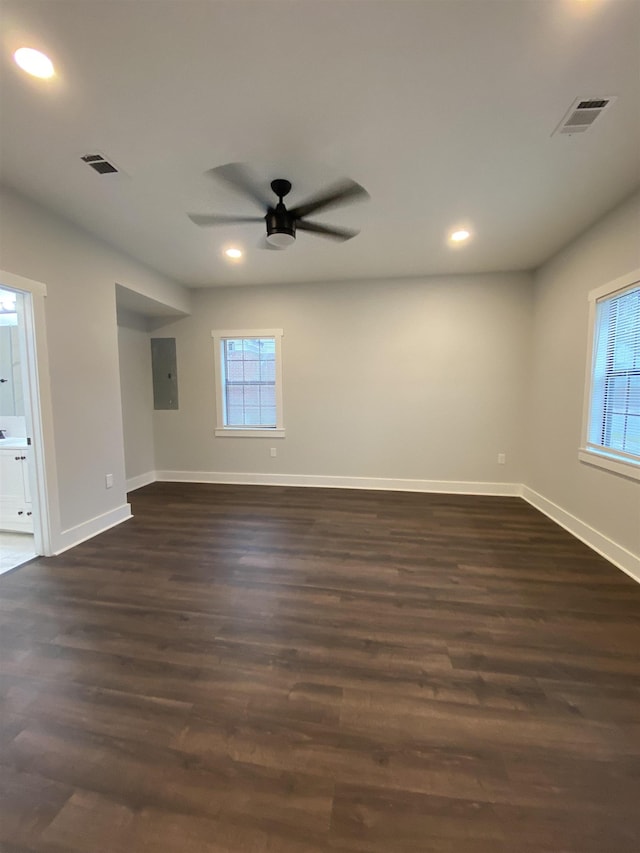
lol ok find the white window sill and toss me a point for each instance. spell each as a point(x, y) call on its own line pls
point(239, 432)
point(627, 468)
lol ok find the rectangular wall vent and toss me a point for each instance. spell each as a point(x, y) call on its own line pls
point(99, 164)
point(582, 113)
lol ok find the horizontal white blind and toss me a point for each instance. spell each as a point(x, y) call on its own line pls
point(614, 416)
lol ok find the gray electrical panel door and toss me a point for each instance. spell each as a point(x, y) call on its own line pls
point(164, 366)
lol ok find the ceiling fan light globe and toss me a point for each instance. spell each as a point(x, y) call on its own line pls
point(281, 239)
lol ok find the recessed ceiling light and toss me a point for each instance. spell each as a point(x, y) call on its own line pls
point(34, 62)
point(233, 253)
point(460, 235)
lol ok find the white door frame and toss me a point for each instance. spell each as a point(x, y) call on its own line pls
point(43, 478)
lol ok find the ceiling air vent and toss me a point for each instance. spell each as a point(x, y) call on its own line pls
point(99, 164)
point(582, 113)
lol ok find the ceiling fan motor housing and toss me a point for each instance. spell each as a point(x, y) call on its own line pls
point(281, 227)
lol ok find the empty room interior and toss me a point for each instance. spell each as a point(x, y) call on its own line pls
point(320, 426)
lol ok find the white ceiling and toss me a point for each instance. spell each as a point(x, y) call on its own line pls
point(442, 110)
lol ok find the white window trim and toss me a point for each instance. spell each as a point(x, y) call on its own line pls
point(609, 460)
point(222, 431)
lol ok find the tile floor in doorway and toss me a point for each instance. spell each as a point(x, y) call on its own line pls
point(15, 549)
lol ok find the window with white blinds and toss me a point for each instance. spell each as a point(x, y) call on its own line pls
point(249, 382)
point(613, 422)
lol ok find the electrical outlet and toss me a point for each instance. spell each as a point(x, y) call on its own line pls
point(502, 458)
point(274, 451)
point(108, 481)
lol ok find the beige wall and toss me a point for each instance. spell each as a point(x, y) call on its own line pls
point(136, 388)
point(80, 273)
point(607, 502)
point(419, 379)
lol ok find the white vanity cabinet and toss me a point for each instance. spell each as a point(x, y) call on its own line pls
point(15, 492)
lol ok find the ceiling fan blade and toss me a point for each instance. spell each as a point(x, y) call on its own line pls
point(237, 176)
point(326, 230)
point(341, 193)
point(221, 219)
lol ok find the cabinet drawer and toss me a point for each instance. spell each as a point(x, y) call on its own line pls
point(12, 469)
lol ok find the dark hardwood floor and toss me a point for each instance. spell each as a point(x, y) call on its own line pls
point(275, 670)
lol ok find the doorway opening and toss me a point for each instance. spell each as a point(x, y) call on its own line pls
point(23, 535)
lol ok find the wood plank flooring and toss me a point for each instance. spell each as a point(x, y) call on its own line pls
point(246, 669)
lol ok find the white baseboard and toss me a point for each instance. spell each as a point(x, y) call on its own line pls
point(141, 480)
point(329, 482)
point(607, 548)
point(88, 529)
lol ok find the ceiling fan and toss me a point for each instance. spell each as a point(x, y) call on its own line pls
point(282, 223)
